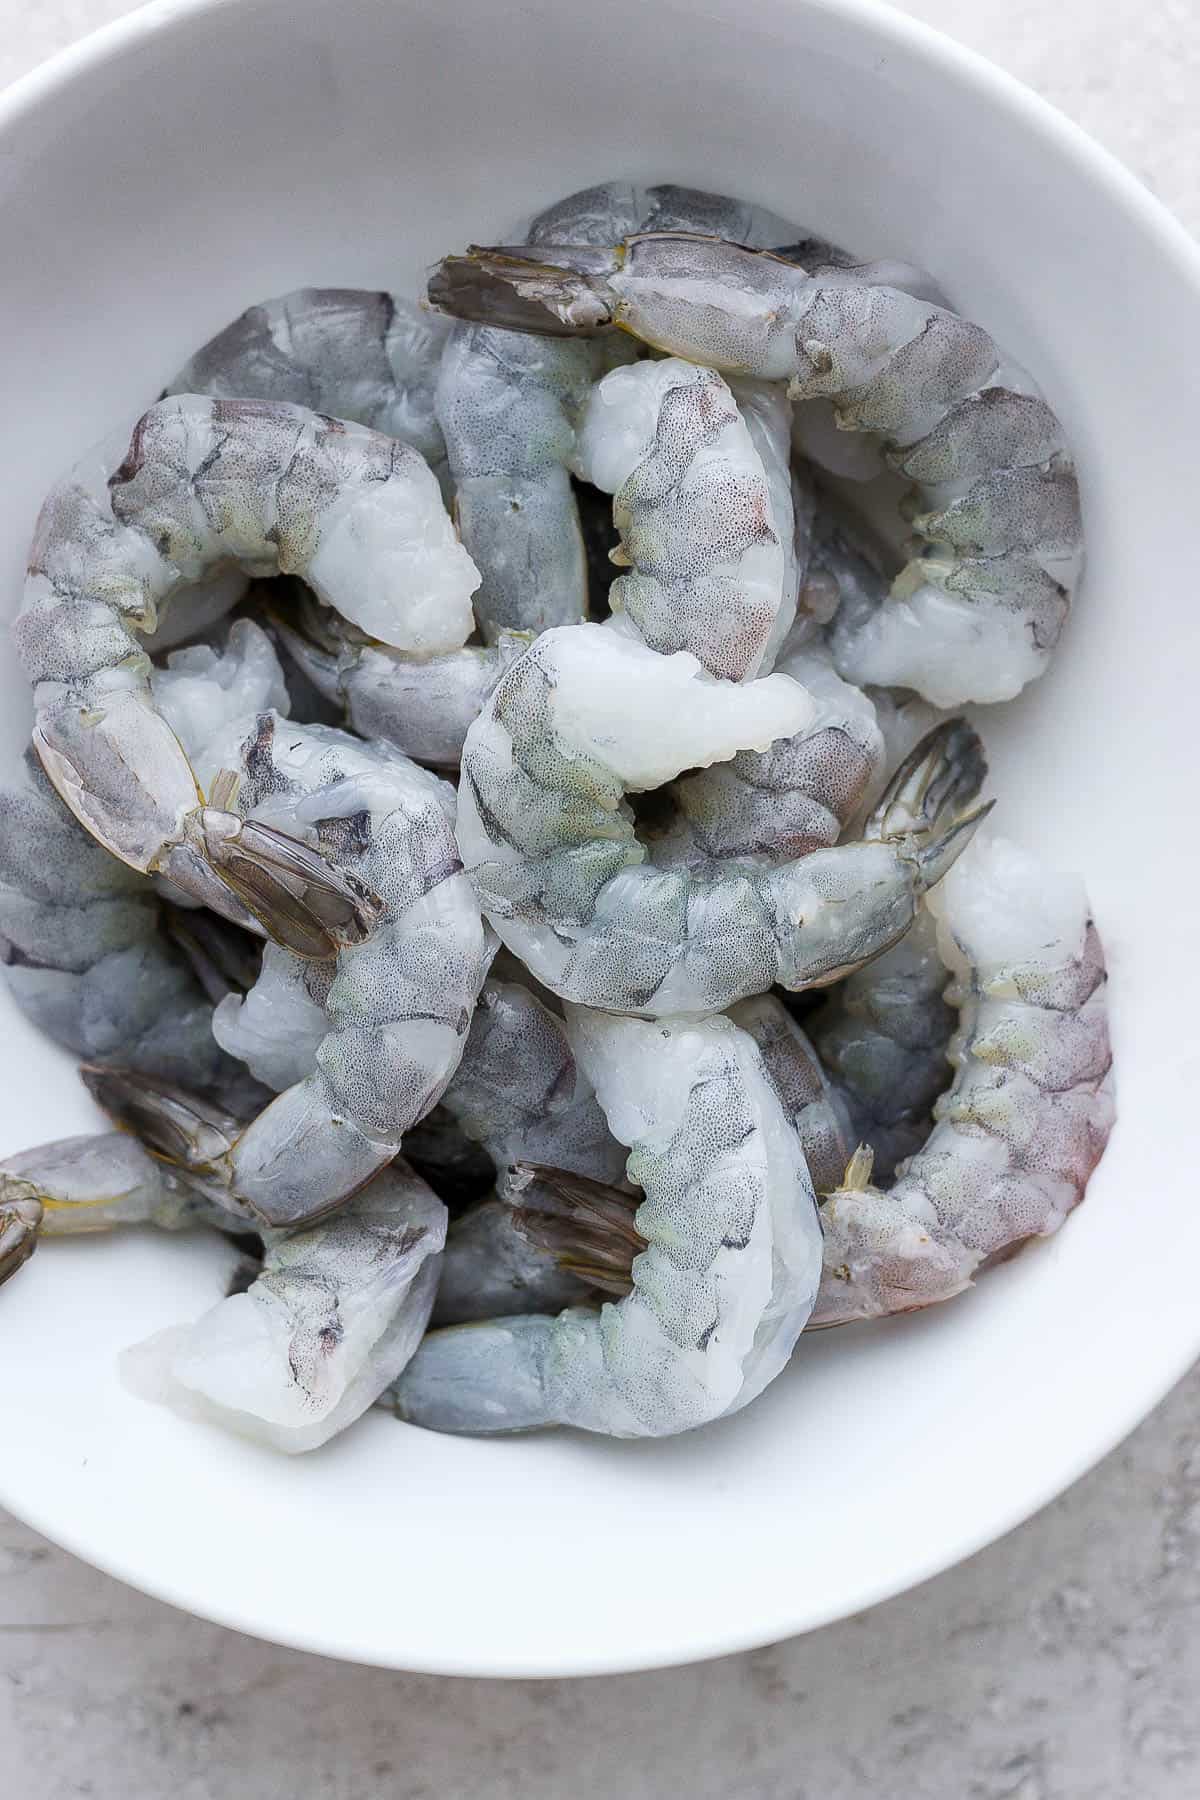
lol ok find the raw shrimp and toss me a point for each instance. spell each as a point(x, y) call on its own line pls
point(508, 406)
point(978, 609)
point(719, 1295)
point(352, 353)
point(706, 530)
point(781, 803)
point(270, 488)
point(1026, 1117)
point(19, 1222)
point(520, 1093)
point(589, 714)
point(423, 705)
point(95, 958)
point(104, 1180)
point(883, 1038)
point(364, 1046)
point(332, 1318)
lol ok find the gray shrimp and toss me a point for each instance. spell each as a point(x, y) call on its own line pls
point(423, 705)
point(319, 1333)
point(271, 488)
point(718, 1296)
point(509, 407)
point(352, 353)
point(363, 1046)
point(978, 609)
point(96, 958)
point(103, 1181)
point(703, 506)
point(1026, 1117)
point(883, 1039)
point(589, 714)
point(519, 1091)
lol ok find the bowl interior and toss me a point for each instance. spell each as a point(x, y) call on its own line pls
point(205, 157)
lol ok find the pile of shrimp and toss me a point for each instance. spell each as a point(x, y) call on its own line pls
point(499, 833)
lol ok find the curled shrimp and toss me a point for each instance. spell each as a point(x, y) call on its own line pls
point(509, 406)
point(979, 607)
point(361, 1047)
point(722, 1289)
point(352, 353)
point(97, 959)
point(588, 715)
point(331, 1319)
point(20, 1221)
point(1026, 1117)
point(270, 488)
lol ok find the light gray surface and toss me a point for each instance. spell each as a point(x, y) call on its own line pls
point(1062, 1664)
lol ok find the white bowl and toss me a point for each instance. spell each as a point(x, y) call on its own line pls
point(196, 157)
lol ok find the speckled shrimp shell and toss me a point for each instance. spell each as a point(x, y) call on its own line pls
point(520, 1092)
point(509, 406)
point(1026, 1117)
point(94, 957)
point(706, 533)
point(722, 1289)
point(332, 1318)
point(352, 353)
point(978, 609)
point(588, 715)
point(205, 483)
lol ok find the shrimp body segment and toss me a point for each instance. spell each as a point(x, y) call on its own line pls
point(722, 1289)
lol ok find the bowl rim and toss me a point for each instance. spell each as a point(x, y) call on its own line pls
point(971, 69)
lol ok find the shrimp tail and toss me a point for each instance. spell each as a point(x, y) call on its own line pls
point(590, 1231)
point(180, 1127)
point(936, 858)
point(937, 780)
point(301, 900)
point(20, 1216)
point(562, 293)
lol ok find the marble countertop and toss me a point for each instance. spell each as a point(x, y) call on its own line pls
point(1061, 1664)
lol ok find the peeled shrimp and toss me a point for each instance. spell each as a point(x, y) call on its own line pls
point(978, 609)
point(1026, 1117)
point(588, 715)
point(719, 1295)
point(270, 488)
point(313, 1341)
